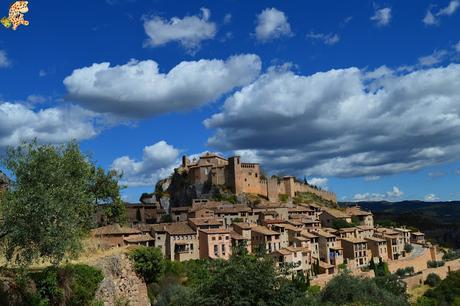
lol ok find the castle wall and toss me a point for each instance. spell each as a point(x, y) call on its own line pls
point(250, 178)
point(330, 196)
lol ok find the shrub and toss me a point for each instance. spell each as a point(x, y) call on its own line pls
point(283, 197)
point(148, 263)
point(435, 264)
point(408, 248)
point(432, 279)
point(451, 255)
point(83, 283)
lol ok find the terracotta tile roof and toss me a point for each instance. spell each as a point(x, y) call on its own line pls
point(244, 225)
point(336, 213)
point(308, 235)
point(204, 221)
point(179, 229)
point(325, 265)
point(139, 238)
point(418, 234)
point(114, 229)
point(365, 227)
point(353, 240)
point(233, 209)
point(325, 234)
point(263, 230)
point(375, 239)
point(237, 236)
point(215, 231)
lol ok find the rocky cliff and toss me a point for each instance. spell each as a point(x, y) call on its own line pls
point(121, 285)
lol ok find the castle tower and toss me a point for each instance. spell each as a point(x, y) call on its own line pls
point(289, 186)
point(185, 161)
point(234, 174)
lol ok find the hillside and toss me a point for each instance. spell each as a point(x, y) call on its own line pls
point(439, 220)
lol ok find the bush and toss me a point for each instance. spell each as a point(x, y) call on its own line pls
point(283, 197)
point(432, 279)
point(402, 272)
point(447, 292)
point(73, 285)
point(148, 263)
point(451, 255)
point(435, 264)
point(408, 248)
point(83, 283)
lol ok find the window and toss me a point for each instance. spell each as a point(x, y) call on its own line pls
point(223, 249)
point(191, 246)
point(216, 249)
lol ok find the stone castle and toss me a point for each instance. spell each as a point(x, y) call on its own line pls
point(240, 177)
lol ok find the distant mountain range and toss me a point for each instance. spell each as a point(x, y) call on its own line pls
point(439, 220)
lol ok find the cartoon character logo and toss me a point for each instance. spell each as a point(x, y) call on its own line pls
point(16, 15)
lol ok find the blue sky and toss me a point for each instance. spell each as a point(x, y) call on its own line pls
point(361, 97)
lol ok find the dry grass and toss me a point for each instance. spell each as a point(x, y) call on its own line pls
point(417, 292)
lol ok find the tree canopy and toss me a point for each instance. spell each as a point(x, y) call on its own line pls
point(50, 204)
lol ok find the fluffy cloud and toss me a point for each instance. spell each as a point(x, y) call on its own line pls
point(382, 17)
point(319, 181)
point(431, 197)
point(158, 161)
point(328, 39)
point(4, 61)
point(433, 18)
point(394, 194)
point(138, 89)
point(52, 125)
point(344, 123)
point(271, 24)
point(189, 31)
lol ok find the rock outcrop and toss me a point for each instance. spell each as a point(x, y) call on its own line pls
point(121, 284)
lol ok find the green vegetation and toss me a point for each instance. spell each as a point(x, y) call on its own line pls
point(247, 279)
point(346, 289)
point(451, 255)
point(148, 263)
point(307, 197)
point(435, 264)
point(408, 248)
point(446, 292)
point(73, 285)
point(432, 279)
point(341, 223)
point(283, 197)
point(49, 207)
point(231, 198)
point(404, 272)
point(380, 269)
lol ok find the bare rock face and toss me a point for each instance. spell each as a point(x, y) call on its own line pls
point(121, 284)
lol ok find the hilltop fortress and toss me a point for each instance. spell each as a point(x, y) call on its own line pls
point(211, 169)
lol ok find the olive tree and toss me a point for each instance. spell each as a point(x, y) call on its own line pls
point(49, 206)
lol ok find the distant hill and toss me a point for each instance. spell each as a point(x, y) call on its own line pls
point(439, 220)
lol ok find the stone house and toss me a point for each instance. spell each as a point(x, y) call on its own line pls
point(360, 216)
point(405, 233)
point(114, 235)
point(298, 259)
point(181, 242)
point(395, 242)
point(215, 243)
point(330, 250)
point(418, 237)
point(180, 214)
point(378, 248)
point(262, 237)
point(329, 215)
point(355, 251)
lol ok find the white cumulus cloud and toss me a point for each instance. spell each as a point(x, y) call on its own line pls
point(314, 124)
point(382, 17)
point(271, 24)
point(432, 18)
point(138, 89)
point(48, 125)
point(189, 31)
point(394, 194)
point(318, 181)
point(158, 161)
